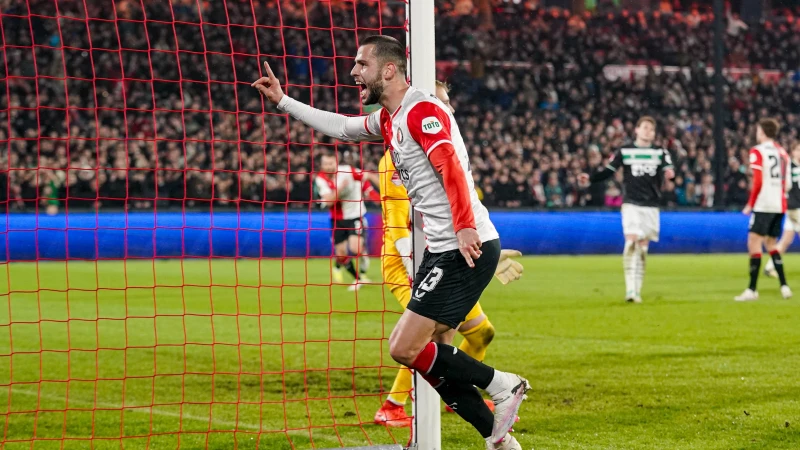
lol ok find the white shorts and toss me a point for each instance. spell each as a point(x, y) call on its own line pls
point(793, 219)
point(642, 221)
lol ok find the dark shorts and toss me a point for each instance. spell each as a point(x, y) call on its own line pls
point(344, 228)
point(766, 224)
point(445, 288)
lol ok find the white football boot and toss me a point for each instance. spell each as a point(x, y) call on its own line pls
point(508, 443)
point(786, 292)
point(747, 296)
point(359, 283)
point(506, 406)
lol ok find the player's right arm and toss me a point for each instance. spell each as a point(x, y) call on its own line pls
point(609, 170)
point(756, 167)
point(326, 195)
point(429, 126)
point(345, 128)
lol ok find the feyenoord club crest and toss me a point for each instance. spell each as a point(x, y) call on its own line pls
point(399, 135)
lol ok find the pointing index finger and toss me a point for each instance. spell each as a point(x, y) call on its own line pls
point(268, 70)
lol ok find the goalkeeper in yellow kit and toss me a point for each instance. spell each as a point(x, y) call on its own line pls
point(397, 268)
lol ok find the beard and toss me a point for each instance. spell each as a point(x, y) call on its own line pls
point(375, 92)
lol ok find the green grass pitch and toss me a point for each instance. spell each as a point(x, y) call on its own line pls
point(242, 354)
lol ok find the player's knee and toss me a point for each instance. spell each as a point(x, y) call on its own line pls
point(401, 352)
point(630, 246)
point(487, 334)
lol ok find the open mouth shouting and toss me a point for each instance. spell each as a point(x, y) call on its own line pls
point(364, 93)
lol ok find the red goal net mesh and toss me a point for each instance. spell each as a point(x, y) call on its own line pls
point(165, 270)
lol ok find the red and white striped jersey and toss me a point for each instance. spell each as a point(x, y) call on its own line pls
point(771, 177)
point(348, 187)
point(422, 135)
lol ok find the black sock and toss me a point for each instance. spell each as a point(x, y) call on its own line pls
point(458, 367)
point(351, 269)
point(755, 266)
point(778, 261)
point(467, 402)
point(338, 264)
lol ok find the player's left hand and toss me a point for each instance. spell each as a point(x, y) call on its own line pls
point(469, 243)
point(269, 86)
point(508, 270)
point(747, 210)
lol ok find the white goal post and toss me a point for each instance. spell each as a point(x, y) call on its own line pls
point(421, 42)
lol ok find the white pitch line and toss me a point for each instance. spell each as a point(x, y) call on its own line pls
point(140, 409)
point(152, 410)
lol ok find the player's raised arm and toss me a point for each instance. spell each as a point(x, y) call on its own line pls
point(345, 128)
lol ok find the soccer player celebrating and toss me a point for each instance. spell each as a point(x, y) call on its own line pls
point(463, 245)
point(770, 165)
point(341, 187)
point(792, 212)
point(645, 168)
point(397, 269)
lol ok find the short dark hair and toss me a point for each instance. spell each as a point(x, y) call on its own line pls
point(388, 49)
point(770, 127)
point(646, 119)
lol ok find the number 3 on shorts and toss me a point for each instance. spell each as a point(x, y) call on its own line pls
point(431, 280)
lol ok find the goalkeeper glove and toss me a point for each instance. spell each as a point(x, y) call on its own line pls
point(508, 270)
point(403, 246)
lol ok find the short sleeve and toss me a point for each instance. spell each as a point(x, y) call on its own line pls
point(322, 186)
point(429, 125)
point(755, 159)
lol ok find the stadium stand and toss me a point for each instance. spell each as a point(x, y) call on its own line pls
point(544, 107)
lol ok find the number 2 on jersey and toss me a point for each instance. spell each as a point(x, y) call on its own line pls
point(774, 167)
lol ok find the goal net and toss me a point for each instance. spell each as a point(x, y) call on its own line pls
point(166, 271)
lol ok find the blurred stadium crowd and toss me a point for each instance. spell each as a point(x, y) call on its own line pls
point(142, 105)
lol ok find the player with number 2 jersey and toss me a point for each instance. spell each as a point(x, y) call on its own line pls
point(770, 166)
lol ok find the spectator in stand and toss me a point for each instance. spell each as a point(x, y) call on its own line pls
point(537, 97)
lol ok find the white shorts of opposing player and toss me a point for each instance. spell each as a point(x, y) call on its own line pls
point(642, 221)
point(793, 220)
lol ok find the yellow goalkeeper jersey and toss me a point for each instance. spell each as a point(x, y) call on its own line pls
point(394, 204)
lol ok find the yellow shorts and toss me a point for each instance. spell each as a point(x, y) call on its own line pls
point(396, 279)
